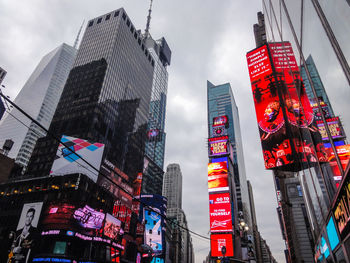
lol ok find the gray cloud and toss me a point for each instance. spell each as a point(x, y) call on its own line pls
point(209, 40)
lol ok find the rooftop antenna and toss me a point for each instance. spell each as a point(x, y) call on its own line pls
point(148, 19)
point(77, 38)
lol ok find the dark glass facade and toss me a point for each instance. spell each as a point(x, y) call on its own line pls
point(106, 97)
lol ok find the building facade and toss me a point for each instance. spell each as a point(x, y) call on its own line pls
point(39, 98)
point(316, 32)
point(107, 96)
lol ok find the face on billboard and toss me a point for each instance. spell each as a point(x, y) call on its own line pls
point(221, 240)
point(281, 103)
point(220, 212)
point(217, 177)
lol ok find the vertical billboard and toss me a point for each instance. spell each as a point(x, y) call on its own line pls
point(220, 212)
point(218, 146)
point(27, 233)
point(285, 117)
point(221, 240)
point(217, 177)
point(68, 159)
point(344, 156)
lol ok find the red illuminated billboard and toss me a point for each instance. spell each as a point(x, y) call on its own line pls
point(285, 117)
point(220, 121)
point(344, 156)
point(220, 212)
point(334, 127)
point(221, 240)
point(217, 177)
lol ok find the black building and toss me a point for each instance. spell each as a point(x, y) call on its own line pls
point(106, 97)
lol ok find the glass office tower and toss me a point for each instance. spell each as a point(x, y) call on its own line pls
point(106, 98)
point(39, 98)
point(319, 33)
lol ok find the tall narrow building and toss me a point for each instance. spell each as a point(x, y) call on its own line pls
point(39, 98)
point(107, 96)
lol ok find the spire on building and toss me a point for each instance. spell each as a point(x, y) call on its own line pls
point(148, 20)
point(78, 35)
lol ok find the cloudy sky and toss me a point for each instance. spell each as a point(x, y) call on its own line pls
point(208, 39)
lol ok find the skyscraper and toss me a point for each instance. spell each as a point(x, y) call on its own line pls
point(221, 102)
point(38, 97)
point(172, 186)
point(107, 95)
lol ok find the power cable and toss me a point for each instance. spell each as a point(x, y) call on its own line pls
point(94, 168)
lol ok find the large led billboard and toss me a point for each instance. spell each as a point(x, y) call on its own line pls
point(153, 231)
point(217, 177)
point(220, 212)
point(334, 126)
point(288, 132)
point(220, 121)
point(344, 156)
point(341, 209)
point(221, 240)
point(68, 160)
point(218, 146)
point(332, 234)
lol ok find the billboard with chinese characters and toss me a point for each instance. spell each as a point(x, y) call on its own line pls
point(220, 212)
point(68, 159)
point(218, 146)
point(288, 132)
point(221, 240)
point(217, 177)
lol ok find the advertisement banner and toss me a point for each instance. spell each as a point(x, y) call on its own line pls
point(217, 177)
point(221, 240)
point(27, 233)
point(112, 227)
point(153, 231)
point(283, 111)
point(218, 147)
point(221, 121)
point(344, 156)
point(341, 209)
point(334, 126)
point(220, 212)
point(68, 162)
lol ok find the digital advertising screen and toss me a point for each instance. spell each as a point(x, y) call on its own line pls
point(220, 212)
point(218, 147)
point(68, 160)
point(283, 111)
point(324, 108)
point(88, 217)
point(112, 227)
point(344, 156)
point(220, 121)
point(332, 234)
point(221, 240)
point(153, 231)
point(341, 209)
point(334, 126)
point(217, 177)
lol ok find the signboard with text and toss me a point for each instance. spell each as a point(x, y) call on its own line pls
point(334, 126)
point(220, 212)
point(221, 240)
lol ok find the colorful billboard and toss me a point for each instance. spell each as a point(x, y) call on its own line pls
point(68, 160)
point(344, 156)
point(217, 177)
point(332, 234)
point(220, 121)
point(221, 240)
point(334, 126)
point(218, 146)
point(153, 231)
point(341, 209)
point(285, 117)
point(112, 227)
point(88, 217)
point(220, 212)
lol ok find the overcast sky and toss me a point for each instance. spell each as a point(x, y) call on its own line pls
point(208, 39)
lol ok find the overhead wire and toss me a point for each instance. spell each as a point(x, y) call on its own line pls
point(94, 168)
